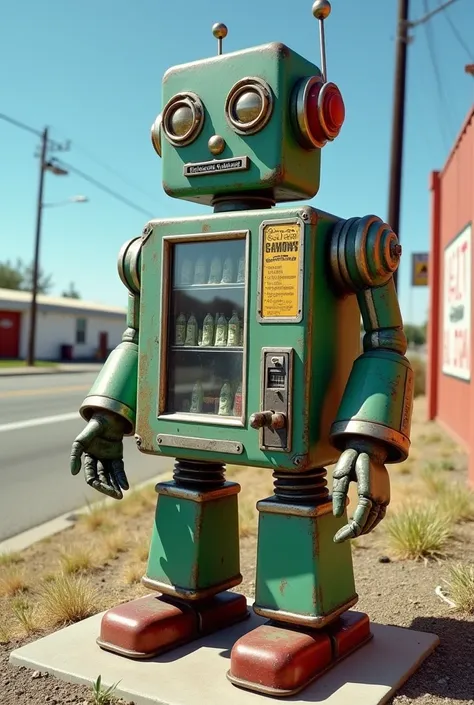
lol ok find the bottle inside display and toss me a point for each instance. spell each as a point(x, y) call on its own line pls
point(207, 309)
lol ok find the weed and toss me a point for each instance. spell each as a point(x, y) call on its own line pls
point(7, 559)
point(435, 482)
point(138, 502)
point(12, 581)
point(141, 548)
point(68, 599)
point(76, 560)
point(460, 582)
point(457, 503)
point(25, 615)
point(133, 573)
point(114, 543)
point(96, 517)
point(5, 633)
point(418, 531)
point(101, 696)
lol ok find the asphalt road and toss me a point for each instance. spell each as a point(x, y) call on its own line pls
point(38, 422)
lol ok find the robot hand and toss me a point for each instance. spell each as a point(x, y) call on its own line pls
point(101, 442)
point(363, 462)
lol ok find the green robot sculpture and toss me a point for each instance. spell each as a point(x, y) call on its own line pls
point(243, 348)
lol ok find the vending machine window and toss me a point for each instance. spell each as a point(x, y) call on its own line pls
point(206, 331)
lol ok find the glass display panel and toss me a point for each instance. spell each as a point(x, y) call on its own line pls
point(206, 341)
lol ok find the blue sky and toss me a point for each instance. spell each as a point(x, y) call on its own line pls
point(92, 72)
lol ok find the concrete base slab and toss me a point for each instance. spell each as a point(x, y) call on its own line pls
point(196, 673)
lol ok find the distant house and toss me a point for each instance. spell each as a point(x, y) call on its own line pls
point(65, 328)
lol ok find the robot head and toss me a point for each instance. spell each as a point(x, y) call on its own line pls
point(252, 122)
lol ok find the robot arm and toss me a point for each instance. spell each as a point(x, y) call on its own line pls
point(110, 406)
point(374, 419)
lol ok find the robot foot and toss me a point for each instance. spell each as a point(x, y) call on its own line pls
point(280, 660)
point(151, 625)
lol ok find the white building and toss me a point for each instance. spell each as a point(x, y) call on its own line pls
point(88, 330)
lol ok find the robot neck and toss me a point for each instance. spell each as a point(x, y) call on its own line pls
point(242, 202)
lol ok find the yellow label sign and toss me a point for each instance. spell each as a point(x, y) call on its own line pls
point(420, 269)
point(281, 276)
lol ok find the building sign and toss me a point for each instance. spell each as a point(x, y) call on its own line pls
point(281, 280)
point(419, 269)
point(457, 307)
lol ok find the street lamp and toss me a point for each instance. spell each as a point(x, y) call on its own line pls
point(54, 168)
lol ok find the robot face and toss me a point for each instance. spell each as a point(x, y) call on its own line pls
point(247, 122)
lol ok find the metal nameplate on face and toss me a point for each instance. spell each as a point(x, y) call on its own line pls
point(281, 268)
point(216, 166)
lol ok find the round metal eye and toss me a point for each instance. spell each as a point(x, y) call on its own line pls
point(156, 135)
point(249, 106)
point(183, 119)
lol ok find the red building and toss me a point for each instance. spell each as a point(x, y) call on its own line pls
point(450, 387)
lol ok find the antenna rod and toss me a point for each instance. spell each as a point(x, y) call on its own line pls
point(322, 10)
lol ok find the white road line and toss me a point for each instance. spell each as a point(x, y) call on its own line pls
point(16, 425)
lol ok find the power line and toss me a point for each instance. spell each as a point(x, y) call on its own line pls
point(88, 178)
point(104, 188)
point(19, 124)
point(458, 36)
point(438, 80)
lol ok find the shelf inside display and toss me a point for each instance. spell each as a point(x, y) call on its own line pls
point(209, 287)
point(207, 348)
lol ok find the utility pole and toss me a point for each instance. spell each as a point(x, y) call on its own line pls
point(45, 165)
point(398, 121)
point(39, 213)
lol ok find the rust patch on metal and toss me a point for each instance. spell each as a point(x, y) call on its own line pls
point(283, 585)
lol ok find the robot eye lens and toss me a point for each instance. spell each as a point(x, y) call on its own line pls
point(183, 119)
point(248, 107)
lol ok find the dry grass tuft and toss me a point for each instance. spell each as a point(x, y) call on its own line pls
point(133, 573)
point(7, 559)
point(97, 517)
point(114, 543)
point(460, 583)
point(68, 599)
point(12, 581)
point(76, 559)
point(141, 547)
point(434, 481)
point(5, 632)
point(138, 502)
point(418, 532)
point(25, 615)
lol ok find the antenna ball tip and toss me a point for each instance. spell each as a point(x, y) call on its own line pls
point(321, 9)
point(219, 30)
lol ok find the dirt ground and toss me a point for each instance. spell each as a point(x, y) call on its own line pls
point(107, 549)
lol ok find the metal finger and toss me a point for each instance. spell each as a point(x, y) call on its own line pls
point(372, 518)
point(362, 471)
point(362, 512)
point(380, 517)
point(350, 531)
point(76, 455)
point(104, 489)
point(107, 480)
point(90, 469)
point(341, 479)
point(120, 476)
point(91, 431)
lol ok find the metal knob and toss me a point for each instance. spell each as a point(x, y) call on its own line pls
point(219, 30)
point(268, 419)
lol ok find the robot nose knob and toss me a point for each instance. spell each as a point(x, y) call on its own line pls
point(268, 419)
point(216, 144)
